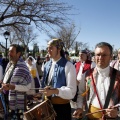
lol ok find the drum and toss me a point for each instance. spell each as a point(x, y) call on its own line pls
point(42, 111)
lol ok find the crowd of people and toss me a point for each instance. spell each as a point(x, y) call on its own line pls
point(87, 89)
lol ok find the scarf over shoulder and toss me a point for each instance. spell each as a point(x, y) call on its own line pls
point(20, 76)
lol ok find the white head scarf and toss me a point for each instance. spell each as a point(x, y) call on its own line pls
point(33, 60)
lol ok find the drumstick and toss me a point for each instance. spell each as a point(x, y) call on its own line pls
point(95, 112)
point(116, 106)
point(41, 89)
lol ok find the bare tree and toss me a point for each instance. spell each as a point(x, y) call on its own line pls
point(13, 37)
point(68, 34)
point(42, 13)
point(25, 37)
point(79, 46)
point(82, 45)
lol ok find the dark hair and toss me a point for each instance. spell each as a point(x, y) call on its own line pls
point(38, 59)
point(83, 51)
point(66, 53)
point(18, 48)
point(62, 54)
point(1, 56)
point(101, 44)
point(30, 58)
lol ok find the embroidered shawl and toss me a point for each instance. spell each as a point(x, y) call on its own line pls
point(20, 76)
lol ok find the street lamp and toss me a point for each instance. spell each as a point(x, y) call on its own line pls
point(6, 35)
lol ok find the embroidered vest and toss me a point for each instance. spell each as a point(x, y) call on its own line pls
point(58, 78)
point(87, 66)
point(115, 95)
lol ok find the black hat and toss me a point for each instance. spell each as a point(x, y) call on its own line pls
point(83, 51)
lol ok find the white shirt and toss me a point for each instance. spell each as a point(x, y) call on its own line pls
point(79, 75)
point(21, 88)
point(103, 82)
point(68, 92)
point(51, 71)
point(102, 85)
point(7, 74)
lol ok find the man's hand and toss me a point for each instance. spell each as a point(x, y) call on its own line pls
point(49, 91)
point(8, 86)
point(78, 113)
point(112, 113)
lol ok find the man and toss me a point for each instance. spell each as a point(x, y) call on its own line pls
point(67, 55)
point(47, 58)
point(83, 65)
point(116, 63)
point(60, 74)
point(96, 87)
point(17, 80)
point(81, 68)
point(5, 61)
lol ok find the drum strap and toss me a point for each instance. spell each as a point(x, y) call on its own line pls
point(112, 82)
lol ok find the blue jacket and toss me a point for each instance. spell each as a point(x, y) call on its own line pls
point(59, 78)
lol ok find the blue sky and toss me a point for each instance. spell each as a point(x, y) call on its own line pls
point(99, 20)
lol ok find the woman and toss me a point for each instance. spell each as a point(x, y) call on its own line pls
point(39, 66)
point(31, 63)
